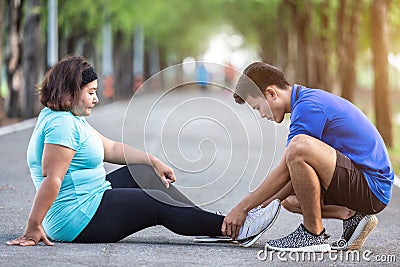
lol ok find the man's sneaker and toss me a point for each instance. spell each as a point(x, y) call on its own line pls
point(355, 231)
point(258, 221)
point(301, 240)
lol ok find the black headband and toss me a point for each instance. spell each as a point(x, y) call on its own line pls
point(88, 75)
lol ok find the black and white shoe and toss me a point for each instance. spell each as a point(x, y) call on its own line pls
point(301, 240)
point(355, 231)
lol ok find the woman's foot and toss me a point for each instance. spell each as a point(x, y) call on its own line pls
point(258, 221)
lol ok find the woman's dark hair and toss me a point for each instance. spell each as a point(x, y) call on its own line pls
point(61, 87)
point(258, 74)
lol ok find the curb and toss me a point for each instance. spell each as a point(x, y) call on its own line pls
point(396, 181)
point(19, 126)
point(30, 123)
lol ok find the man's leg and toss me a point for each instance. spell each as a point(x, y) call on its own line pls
point(285, 192)
point(311, 165)
point(347, 197)
point(292, 204)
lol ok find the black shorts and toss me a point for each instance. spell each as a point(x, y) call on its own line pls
point(349, 188)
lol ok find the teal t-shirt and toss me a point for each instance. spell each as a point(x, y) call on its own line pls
point(84, 183)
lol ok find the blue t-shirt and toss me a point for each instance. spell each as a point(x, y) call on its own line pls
point(84, 183)
point(341, 125)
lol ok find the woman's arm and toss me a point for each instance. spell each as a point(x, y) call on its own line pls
point(118, 153)
point(55, 162)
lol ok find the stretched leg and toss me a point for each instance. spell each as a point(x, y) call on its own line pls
point(311, 165)
point(124, 211)
point(144, 176)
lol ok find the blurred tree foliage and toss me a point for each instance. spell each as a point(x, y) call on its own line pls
point(320, 43)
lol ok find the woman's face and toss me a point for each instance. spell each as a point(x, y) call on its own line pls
point(87, 100)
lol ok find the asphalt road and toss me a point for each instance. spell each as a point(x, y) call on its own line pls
point(219, 150)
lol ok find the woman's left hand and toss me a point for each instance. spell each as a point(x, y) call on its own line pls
point(165, 172)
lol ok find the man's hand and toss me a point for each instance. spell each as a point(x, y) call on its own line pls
point(233, 222)
point(31, 237)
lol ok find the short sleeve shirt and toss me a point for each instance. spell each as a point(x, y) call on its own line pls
point(341, 125)
point(84, 183)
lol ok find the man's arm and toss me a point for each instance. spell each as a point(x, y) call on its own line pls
point(273, 183)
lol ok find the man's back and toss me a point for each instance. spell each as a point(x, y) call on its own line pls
point(340, 124)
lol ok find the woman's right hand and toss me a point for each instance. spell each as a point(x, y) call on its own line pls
point(55, 163)
point(31, 236)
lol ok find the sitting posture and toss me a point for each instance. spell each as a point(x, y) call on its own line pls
point(76, 201)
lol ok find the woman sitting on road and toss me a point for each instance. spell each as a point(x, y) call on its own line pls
point(76, 201)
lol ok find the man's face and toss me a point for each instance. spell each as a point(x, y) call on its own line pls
point(260, 104)
point(270, 106)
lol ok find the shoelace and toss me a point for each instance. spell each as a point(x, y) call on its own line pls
point(252, 214)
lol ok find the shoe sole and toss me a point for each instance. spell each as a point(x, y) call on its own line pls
point(364, 228)
point(314, 248)
point(254, 239)
point(208, 239)
point(339, 245)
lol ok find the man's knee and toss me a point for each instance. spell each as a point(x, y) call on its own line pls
point(298, 148)
point(291, 203)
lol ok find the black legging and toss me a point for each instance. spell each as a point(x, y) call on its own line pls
point(136, 203)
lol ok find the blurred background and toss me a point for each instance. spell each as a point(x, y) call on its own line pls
point(348, 47)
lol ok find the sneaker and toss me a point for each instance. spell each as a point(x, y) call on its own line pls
point(213, 239)
point(258, 221)
point(355, 231)
point(301, 240)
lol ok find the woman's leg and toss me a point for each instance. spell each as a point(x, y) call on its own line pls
point(124, 211)
point(144, 176)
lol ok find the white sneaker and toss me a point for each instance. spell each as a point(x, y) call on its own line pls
point(213, 239)
point(258, 221)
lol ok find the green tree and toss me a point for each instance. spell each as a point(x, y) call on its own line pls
point(31, 61)
point(380, 47)
point(13, 58)
point(2, 110)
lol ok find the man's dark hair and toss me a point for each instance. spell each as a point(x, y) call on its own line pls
point(61, 87)
point(258, 74)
